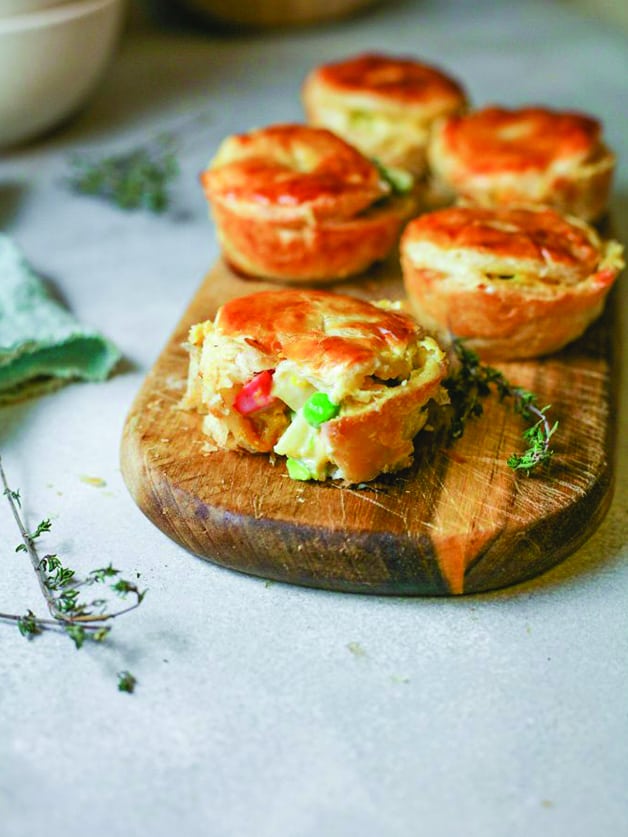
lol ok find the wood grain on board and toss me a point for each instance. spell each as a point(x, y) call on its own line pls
point(458, 521)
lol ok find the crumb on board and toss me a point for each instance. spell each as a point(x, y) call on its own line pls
point(97, 482)
point(398, 678)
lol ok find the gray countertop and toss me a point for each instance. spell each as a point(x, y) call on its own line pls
point(264, 709)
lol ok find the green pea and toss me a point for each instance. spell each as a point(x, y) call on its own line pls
point(297, 470)
point(318, 409)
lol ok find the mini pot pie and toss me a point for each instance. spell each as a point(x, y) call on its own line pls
point(514, 282)
point(338, 385)
point(298, 204)
point(534, 155)
point(383, 105)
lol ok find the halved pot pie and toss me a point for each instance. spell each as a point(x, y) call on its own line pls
point(338, 385)
point(298, 204)
point(497, 156)
point(383, 105)
point(514, 282)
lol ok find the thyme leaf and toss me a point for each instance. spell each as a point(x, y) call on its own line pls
point(28, 625)
point(15, 496)
point(99, 576)
point(77, 634)
point(126, 682)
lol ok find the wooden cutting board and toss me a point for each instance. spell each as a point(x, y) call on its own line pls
point(459, 521)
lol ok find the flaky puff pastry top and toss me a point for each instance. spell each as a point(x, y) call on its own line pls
point(297, 204)
point(516, 281)
point(341, 340)
point(388, 84)
point(532, 154)
point(384, 105)
point(292, 174)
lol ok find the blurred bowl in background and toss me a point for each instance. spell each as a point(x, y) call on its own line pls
point(275, 12)
point(50, 61)
point(22, 7)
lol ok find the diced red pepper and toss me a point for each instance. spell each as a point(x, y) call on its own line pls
point(256, 393)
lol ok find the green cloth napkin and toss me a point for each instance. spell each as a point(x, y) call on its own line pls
point(41, 344)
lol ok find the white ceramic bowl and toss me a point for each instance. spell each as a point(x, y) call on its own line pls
point(50, 61)
point(22, 7)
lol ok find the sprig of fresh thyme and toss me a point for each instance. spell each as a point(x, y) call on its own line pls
point(471, 381)
point(136, 179)
point(61, 588)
